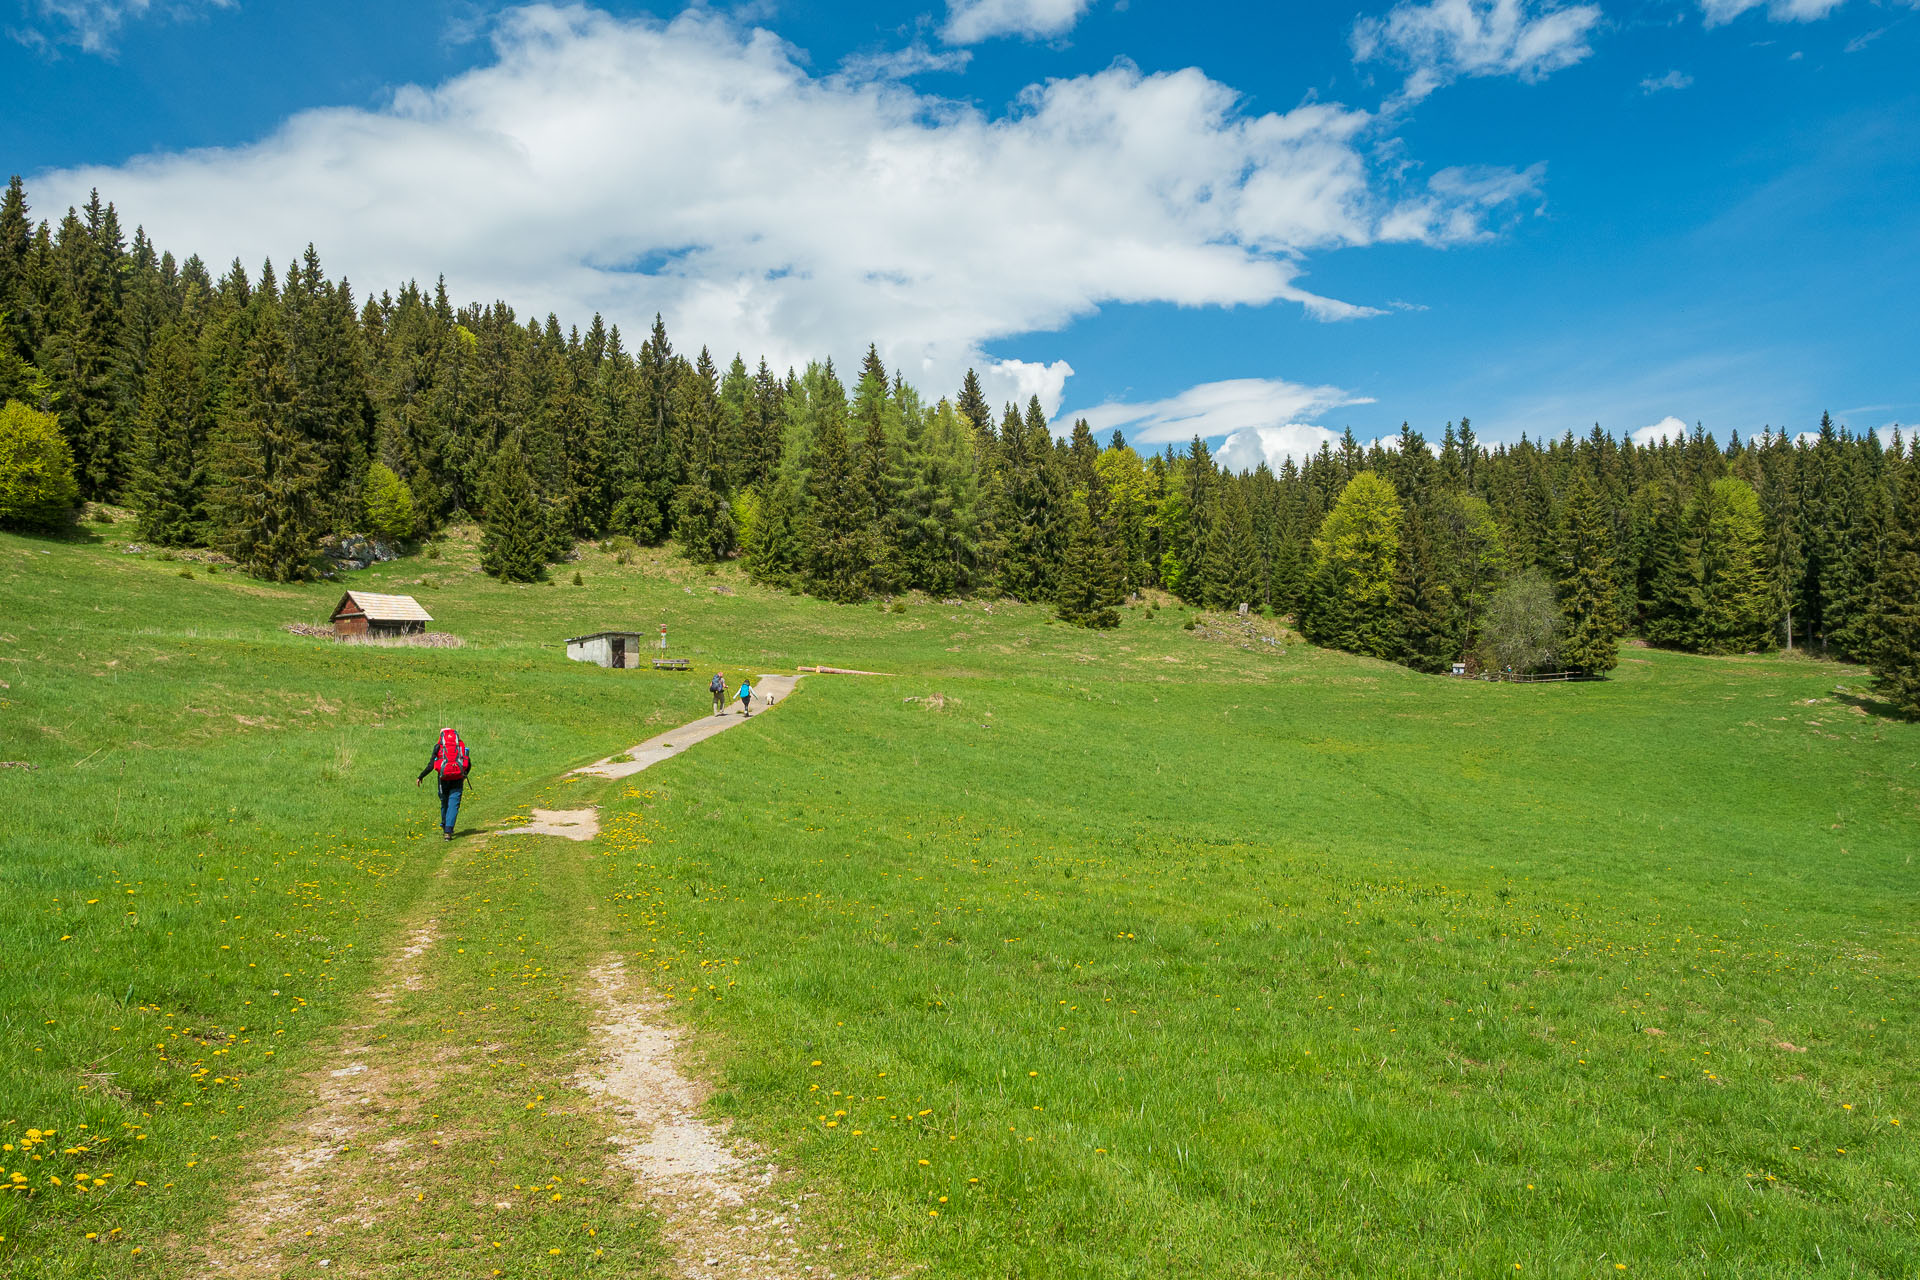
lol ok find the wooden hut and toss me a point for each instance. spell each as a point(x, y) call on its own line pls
point(607, 648)
point(367, 613)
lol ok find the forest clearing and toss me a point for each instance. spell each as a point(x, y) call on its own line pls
point(1052, 953)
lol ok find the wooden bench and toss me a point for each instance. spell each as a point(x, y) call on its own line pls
point(670, 664)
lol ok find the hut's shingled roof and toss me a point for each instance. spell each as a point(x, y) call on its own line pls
point(383, 608)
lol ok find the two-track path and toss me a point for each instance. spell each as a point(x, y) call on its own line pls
point(719, 1209)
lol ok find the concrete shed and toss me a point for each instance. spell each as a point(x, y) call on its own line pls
point(607, 648)
point(368, 613)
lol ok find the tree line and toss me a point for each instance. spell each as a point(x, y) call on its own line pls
point(259, 412)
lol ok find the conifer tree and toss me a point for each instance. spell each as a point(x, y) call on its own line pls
point(837, 535)
point(1896, 638)
point(1668, 607)
point(702, 522)
point(1229, 569)
point(1031, 494)
point(82, 355)
point(331, 407)
point(1090, 579)
point(1583, 563)
point(19, 318)
point(938, 524)
point(973, 408)
point(514, 533)
point(170, 463)
point(1429, 630)
point(773, 547)
point(1858, 553)
point(269, 499)
point(874, 492)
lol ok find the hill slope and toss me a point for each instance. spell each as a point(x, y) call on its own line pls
point(1144, 950)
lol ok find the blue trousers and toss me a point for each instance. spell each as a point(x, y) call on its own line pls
point(449, 804)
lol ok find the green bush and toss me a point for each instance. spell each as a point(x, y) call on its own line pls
point(37, 490)
point(389, 504)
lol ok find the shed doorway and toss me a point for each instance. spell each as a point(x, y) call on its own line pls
point(619, 652)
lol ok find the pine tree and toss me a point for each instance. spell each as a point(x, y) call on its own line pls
point(1858, 553)
point(702, 522)
point(773, 548)
point(1669, 608)
point(514, 533)
point(1586, 586)
point(170, 464)
point(1031, 501)
point(326, 364)
point(1896, 640)
point(20, 321)
point(1229, 569)
point(837, 532)
point(939, 506)
point(1429, 628)
point(1351, 602)
point(82, 355)
point(268, 502)
point(1090, 579)
point(972, 406)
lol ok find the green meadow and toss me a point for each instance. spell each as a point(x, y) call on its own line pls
point(1046, 953)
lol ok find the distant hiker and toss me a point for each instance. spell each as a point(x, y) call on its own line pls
point(452, 762)
point(718, 688)
point(746, 697)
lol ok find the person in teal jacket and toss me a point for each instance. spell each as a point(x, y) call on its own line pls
point(746, 698)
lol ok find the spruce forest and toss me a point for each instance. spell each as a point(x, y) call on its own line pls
point(259, 413)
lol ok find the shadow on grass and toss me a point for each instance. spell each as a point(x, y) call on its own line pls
point(74, 532)
point(1872, 706)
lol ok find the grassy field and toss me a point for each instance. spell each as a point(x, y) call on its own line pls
point(1046, 954)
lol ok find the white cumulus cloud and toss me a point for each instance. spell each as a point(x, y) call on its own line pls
point(696, 168)
point(95, 25)
point(971, 21)
point(1245, 450)
point(1260, 418)
point(1668, 428)
point(1440, 41)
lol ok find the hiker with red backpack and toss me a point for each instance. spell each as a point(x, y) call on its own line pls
point(452, 762)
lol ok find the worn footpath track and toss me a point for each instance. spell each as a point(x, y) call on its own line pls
point(510, 1098)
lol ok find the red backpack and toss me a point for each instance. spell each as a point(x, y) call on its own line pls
point(451, 760)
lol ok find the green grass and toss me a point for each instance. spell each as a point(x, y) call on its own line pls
point(1172, 953)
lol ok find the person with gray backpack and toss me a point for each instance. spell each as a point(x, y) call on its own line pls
point(718, 688)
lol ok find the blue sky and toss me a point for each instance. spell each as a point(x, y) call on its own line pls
point(1257, 222)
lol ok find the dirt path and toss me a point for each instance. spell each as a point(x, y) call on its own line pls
point(769, 692)
point(397, 1110)
point(291, 1180)
point(721, 1215)
point(568, 824)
